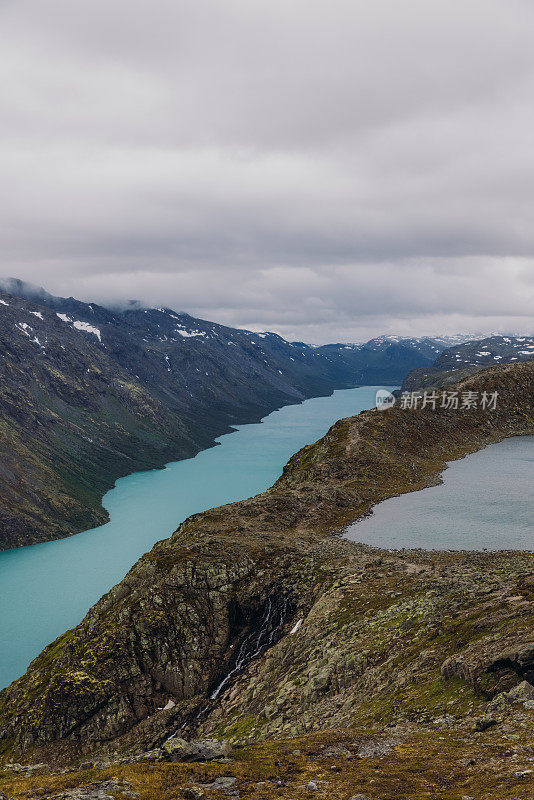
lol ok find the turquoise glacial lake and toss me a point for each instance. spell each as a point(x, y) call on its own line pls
point(47, 588)
point(486, 502)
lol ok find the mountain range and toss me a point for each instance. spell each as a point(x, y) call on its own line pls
point(89, 394)
point(467, 358)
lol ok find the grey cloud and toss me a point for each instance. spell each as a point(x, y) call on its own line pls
point(329, 169)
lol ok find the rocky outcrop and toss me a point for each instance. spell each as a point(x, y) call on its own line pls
point(175, 643)
point(201, 750)
point(497, 660)
point(352, 626)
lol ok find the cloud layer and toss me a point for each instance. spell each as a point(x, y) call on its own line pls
point(330, 170)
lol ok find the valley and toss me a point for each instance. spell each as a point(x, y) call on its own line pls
point(267, 401)
point(89, 395)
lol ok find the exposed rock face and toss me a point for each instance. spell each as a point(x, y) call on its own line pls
point(509, 655)
point(172, 644)
point(371, 647)
point(375, 636)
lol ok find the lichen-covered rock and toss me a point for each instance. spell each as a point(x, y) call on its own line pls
point(200, 750)
point(523, 691)
point(102, 790)
point(225, 785)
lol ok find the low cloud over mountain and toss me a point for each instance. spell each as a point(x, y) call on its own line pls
point(331, 171)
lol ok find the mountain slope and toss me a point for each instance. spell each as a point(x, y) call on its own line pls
point(172, 627)
point(71, 421)
point(467, 358)
point(89, 394)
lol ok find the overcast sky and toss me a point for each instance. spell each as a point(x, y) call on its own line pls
point(330, 169)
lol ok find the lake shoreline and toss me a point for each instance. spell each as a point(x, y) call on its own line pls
point(96, 515)
point(401, 516)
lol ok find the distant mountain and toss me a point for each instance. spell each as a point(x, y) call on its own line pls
point(465, 359)
point(89, 394)
point(487, 352)
point(438, 342)
point(19, 288)
point(386, 359)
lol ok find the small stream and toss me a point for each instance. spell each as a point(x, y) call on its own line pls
point(261, 638)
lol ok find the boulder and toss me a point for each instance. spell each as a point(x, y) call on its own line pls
point(192, 793)
point(150, 755)
point(225, 785)
point(521, 692)
point(226, 782)
point(201, 750)
point(483, 723)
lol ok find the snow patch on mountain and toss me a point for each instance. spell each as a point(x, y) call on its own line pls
point(84, 327)
point(28, 331)
point(189, 334)
point(25, 328)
